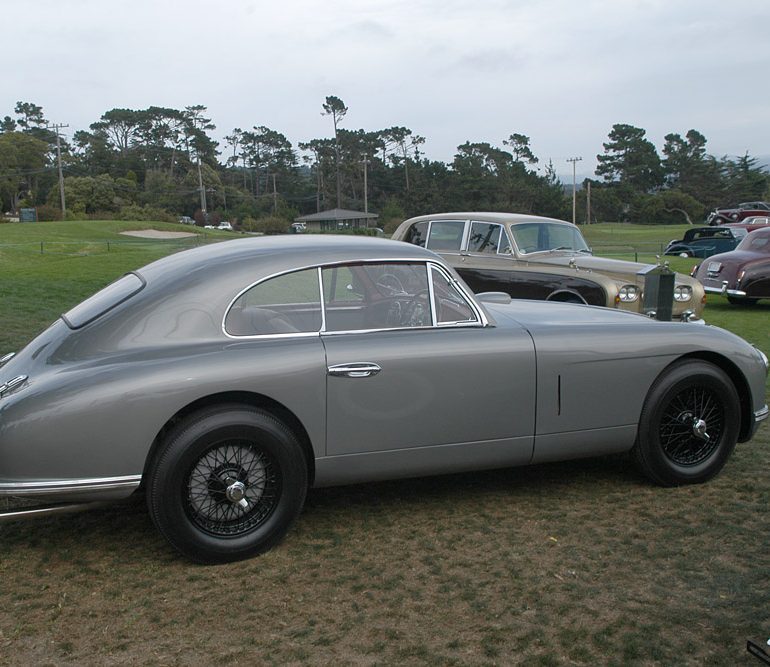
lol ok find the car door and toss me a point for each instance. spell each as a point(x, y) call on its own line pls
point(443, 384)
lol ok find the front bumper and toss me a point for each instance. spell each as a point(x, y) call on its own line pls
point(723, 290)
point(759, 417)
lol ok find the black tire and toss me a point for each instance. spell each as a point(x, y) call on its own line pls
point(742, 301)
point(227, 483)
point(688, 426)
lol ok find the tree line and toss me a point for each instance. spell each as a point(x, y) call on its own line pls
point(161, 163)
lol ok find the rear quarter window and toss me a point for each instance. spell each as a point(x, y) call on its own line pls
point(103, 301)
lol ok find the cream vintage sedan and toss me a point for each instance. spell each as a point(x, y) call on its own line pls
point(531, 257)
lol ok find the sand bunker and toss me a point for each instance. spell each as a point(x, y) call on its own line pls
point(155, 234)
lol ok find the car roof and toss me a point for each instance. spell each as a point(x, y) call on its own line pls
point(488, 216)
point(268, 255)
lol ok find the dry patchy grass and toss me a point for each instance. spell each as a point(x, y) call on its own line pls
point(577, 563)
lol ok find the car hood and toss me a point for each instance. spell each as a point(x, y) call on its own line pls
point(535, 314)
point(618, 269)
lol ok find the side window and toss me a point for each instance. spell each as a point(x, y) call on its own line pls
point(417, 234)
point(446, 234)
point(363, 296)
point(485, 237)
point(505, 244)
point(451, 305)
point(289, 303)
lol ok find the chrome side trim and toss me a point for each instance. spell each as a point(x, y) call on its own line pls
point(761, 415)
point(59, 486)
point(6, 358)
point(42, 511)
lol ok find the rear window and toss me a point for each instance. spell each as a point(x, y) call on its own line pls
point(103, 301)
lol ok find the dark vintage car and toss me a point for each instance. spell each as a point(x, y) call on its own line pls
point(743, 274)
point(743, 210)
point(706, 241)
point(223, 382)
point(532, 257)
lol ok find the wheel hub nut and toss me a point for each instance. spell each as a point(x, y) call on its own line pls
point(699, 429)
point(235, 492)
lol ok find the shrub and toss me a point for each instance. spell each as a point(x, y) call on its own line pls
point(145, 213)
point(271, 225)
point(47, 213)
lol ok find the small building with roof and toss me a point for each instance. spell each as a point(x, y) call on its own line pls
point(336, 219)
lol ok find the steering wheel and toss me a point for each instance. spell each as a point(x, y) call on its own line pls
point(390, 283)
point(417, 311)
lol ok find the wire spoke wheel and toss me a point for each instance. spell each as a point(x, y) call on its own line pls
point(232, 488)
point(226, 483)
point(691, 426)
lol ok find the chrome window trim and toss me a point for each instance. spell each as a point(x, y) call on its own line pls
point(320, 276)
point(482, 320)
point(431, 295)
point(511, 246)
point(463, 239)
point(69, 485)
point(499, 239)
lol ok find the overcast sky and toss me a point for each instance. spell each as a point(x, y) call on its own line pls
point(560, 71)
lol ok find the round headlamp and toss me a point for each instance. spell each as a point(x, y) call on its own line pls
point(628, 293)
point(682, 293)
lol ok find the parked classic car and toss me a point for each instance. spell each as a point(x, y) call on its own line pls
point(531, 257)
point(743, 274)
point(706, 241)
point(720, 216)
point(223, 381)
point(751, 223)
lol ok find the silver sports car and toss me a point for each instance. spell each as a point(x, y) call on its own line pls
point(224, 381)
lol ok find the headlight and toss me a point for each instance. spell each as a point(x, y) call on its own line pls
point(628, 293)
point(682, 293)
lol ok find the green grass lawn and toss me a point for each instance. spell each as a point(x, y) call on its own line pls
point(578, 563)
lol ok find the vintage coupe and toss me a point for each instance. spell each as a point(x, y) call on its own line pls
point(224, 381)
point(738, 213)
point(706, 241)
point(531, 257)
point(743, 275)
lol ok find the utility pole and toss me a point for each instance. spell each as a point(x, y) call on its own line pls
point(56, 129)
point(573, 160)
point(202, 189)
point(588, 202)
point(365, 161)
point(275, 196)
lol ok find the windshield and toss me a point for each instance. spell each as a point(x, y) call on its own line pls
point(548, 236)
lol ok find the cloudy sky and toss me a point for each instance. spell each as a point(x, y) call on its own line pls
point(560, 71)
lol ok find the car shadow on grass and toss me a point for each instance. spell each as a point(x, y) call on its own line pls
point(123, 532)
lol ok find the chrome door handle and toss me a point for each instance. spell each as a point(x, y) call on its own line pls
point(363, 369)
